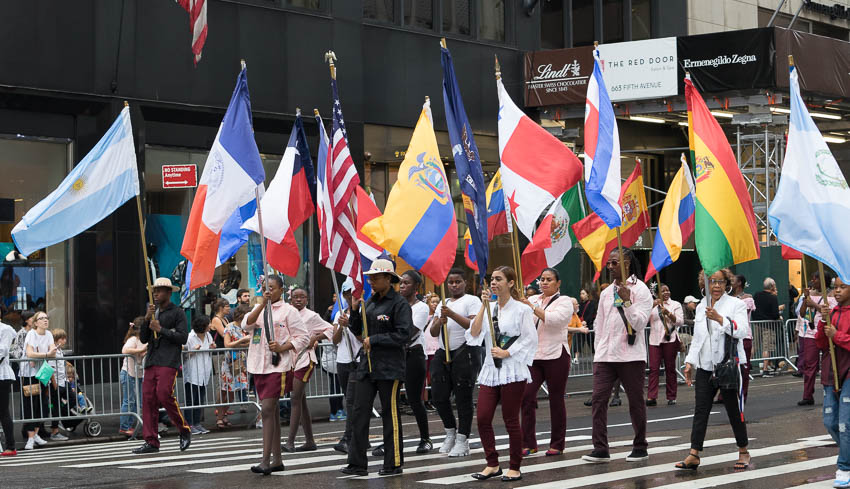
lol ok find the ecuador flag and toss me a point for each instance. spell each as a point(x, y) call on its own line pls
point(725, 227)
point(419, 223)
point(598, 239)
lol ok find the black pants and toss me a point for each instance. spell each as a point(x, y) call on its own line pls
point(62, 401)
point(459, 377)
point(35, 406)
point(414, 382)
point(6, 414)
point(703, 397)
point(364, 396)
point(335, 403)
point(195, 395)
point(347, 381)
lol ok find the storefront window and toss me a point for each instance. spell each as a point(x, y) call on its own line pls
point(456, 17)
point(582, 23)
point(641, 19)
point(383, 10)
point(32, 169)
point(612, 21)
point(419, 13)
point(492, 20)
point(552, 24)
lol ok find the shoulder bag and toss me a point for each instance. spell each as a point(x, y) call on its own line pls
point(727, 373)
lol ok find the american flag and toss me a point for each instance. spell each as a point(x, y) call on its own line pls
point(198, 21)
point(336, 183)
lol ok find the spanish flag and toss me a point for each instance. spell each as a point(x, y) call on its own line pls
point(419, 224)
point(598, 239)
point(725, 227)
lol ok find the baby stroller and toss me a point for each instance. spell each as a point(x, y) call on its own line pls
point(80, 405)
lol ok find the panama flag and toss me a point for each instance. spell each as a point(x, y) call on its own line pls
point(231, 176)
point(812, 199)
point(536, 168)
point(602, 151)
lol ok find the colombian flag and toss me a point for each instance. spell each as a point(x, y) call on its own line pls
point(598, 239)
point(497, 221)
point(676, 222)
point(419, 223)
point(725, 225)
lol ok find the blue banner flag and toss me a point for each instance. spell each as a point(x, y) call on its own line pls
point(467, 163)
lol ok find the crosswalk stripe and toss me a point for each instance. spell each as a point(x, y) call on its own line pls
point(746, 475)
point(815, 485)
point(561, 464)
point(668, 467)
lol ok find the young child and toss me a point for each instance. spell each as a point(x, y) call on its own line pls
point(837, 414)
point(131, 375)
point(61, 403)
point(197, 368)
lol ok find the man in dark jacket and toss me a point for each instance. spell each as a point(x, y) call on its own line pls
point(381, 368)
point(165, 333)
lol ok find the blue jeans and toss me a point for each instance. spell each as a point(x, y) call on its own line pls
point(129, 403)
point(836, 419)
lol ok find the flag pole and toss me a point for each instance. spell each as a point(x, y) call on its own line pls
point(445, 325)
point(511, 228)
point(144, 246)
point(828, 318)
point(623, 277)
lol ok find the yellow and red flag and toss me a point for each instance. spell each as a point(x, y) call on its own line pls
point(598, 239)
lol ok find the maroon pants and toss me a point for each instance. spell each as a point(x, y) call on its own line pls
point(810, 360)
point(158, 390)
point(605, 374)
point(667, 353)
point(510, 396)
point(555, 373)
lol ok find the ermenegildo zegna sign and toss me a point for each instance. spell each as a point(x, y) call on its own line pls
point(731, 60)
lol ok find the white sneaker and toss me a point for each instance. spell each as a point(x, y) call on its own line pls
point(58, 437)
point(449, 442)
point(30, 444)
point(39, 440)
point(461, 448)
point(842, 478)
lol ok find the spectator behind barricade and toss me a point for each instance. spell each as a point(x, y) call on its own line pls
point(197, 367)
point(39, 346)
point(767, 309)
point(18, 350)
point(328, 315)
point(243, 296)
point(7, 380)
point(234, 376)
point(131, 376)
point(689, 310)
point(218, 328)
point(60, 402)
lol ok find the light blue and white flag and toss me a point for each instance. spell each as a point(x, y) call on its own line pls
point(106, 178)
point(812, 199)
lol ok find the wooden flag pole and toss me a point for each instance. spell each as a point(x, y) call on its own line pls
point(822, 280)
point(144, 246)
point(623, 277)
point(445, 325)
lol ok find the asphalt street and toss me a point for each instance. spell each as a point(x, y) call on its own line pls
point(789, 447)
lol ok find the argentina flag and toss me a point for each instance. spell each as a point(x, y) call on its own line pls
point(105, 179)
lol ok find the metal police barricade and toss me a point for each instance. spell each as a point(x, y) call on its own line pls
point(793, 342)
point(771, 344)
point(80, 390)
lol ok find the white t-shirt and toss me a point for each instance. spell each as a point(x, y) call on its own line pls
point(59, 365)
point(197, 364)
point(420, 311)
point(343, 354)
point(41, 344)
point(466, 306)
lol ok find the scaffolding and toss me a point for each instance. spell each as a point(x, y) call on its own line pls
point(760, 151)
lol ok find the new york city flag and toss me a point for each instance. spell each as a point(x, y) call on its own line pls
point(419, 223)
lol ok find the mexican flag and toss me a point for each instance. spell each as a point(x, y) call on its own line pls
point(554, 236)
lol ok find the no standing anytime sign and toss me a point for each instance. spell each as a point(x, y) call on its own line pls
point(179, 176)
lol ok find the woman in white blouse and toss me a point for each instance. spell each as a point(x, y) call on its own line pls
point(715, 321)
point(552, 314)
point(505, 372)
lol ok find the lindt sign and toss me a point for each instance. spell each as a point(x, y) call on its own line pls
point(557, 77)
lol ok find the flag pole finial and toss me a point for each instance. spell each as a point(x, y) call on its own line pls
point(316, 112)
point(243, 64)
point(498, 67)
point(790, 60)
point(330, 58)
point(126, 104)
point(297, 111)
point(443, 43)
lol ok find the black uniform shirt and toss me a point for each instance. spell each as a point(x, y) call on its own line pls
point(165, 350)
point(389, 324)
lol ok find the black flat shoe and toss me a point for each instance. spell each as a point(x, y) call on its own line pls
point(351, 470)
point(146, 448)
point(615, 402)
point(511, 479)
point(483, 477)
point(307, 448)
point(391, 471)
point(378, 451)
point(257, 469)
point(806, 402)
point(276, 468)
point(341, 446)
point(185, 440)
point(651, 402)
point(286, 448)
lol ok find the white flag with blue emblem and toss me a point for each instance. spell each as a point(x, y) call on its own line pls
point(812, 199)
point(106, 178)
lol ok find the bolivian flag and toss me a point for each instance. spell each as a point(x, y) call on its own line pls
point(725, 228)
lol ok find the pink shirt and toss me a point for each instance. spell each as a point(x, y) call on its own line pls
point(552, 332)
point(287, 327)
point(656, 331)
point(314, 324)
point(806, 329)
point(611, 337)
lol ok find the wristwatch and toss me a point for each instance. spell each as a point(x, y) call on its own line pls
point(627, 303)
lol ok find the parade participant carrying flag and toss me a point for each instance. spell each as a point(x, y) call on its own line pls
point(231, 176)
point(497, 222)
point(467, 163)
point(676, 222)
point(105, 178)
point(554, 237)
point(288, 202)
point(419, 224)
point(602, 151)
point(725, 225)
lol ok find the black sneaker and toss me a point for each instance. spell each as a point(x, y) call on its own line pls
point(797, 374)
point(806, 402)
point(651, 402)
point(597, 457)
point(671, 402)
point(616, 401)
point(341, 446)
point(425, 446)
point(378, 451)
point(637, 455)
point(185, 440)
point(146, 448)
point(352, 470)
point(588, 402)
point(390, 471)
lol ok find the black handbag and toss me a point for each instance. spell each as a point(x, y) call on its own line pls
point(727, 374)
point(503, 341)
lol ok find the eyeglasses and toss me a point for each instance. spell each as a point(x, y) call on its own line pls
point(41, 317)
point(717, 281)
